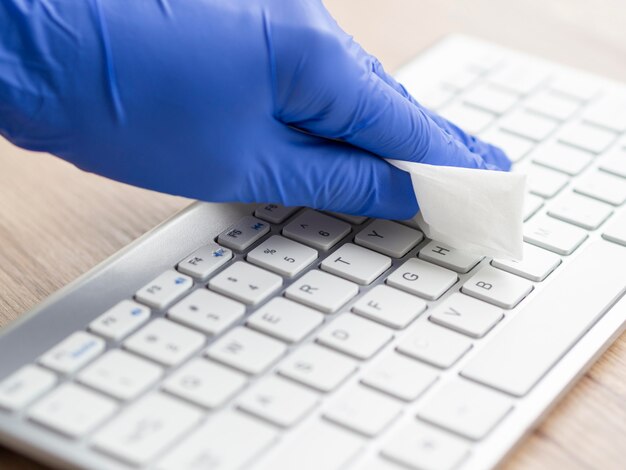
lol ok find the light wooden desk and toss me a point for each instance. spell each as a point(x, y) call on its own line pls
point(57, 222)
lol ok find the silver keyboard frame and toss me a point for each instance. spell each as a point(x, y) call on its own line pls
point(118, 277)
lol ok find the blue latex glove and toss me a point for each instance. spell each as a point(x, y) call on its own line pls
point(219, 100)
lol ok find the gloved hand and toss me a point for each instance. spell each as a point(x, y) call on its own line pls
point(248, 100)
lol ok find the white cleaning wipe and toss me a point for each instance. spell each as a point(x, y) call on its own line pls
point(478, 211)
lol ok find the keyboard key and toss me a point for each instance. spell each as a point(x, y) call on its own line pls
point(165, 342)
point(227, 441)
point(544, 182)
point(244, 233)
point(355, 336)
point(72, 410)
point(616, 230)
point(580, 210)
point(514, 146)
point(434, 345)
point(521, 78)
point(318, 230)
point(274, 213)
point(205, 383)
point(24, 386)
point(207, 311)
point(246, 350)
point(363, 410)
point(73, 352)
point(460, 79)
point(164, 290)
point(317, 367)
point(608, 112)
point(421, 278)
point(389, 306)
point(532, 204)
point(497, 287)
point(614, 162)
point(389, 238)
point(563, 158)
point(553, 105)
point(529, 125)
point(466, 315)
point(400, 377)
point(584, 136)
point(120, 375)
point(551, 322)
point(356, 264)
point(278, 401)
point(143, 430)
point(448, 257)
point(283, 256)
point(246, 283)
point(535, 266)
point(602, 186)
point(323, 291)
point(465, 408)
point(423, 447)
point(489, 98)
point(204, 261)
point(468, 118)
point(120, 320)
point(577, 87)
point(285, 320)
point(559, 237)
point(352, 219)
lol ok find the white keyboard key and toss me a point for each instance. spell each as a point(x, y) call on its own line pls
point(285, 320)
point(25, 385)
point(400, 376)
point(433, 97)
point(421, 278)
point(532, 204)
point(563, 158)
point(521, 78)
point(72, 410)
point(205, 383)
point(461, 78)
point(323, 291)
point(356, 264)
point(120, 374)
point(204, 261)
point(244, 233)
point(318, 230)
point(614, 162)
point(529, 125)
point(514, 146)
point(164, 290)
point(142, 431)
point(434, 345)
point(389, 306)
point(544, 182)
point(73, 352)
point(389, 238)
point(559, 237)
point(278, 401)
point(165, 342)
point(423, 447)
point(317, 367)
point(602, 186)
point(465, 408)
point(466, 315)
point(246, 283)
point(355, 336)
point(448, 257)
point(379, 463)
point(580, 210)
point(274, 213)
point(535, 266)
point(470, 119)
point(584, 136)
point(489, 98)
point(352, 219)
point(283, 256)
point(616, 230)
point(363, 410)
point(553, 105)
point(227, 441)
point(207, 311)
point(497, 287)
point(554, 320)
point(120, 320)
point(578, 87)
point(246, 350)
point(608, 112)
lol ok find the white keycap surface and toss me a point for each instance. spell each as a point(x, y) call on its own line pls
point(536, 265)
point(389, 306)
point(73, 352)
point(448, 257)
point(244, 233)
point(322, 291)
point(422, 278)
point(355, 336)
point(274, 213)
point(25, 385)
point(389, 238)
point(285, 319)
point(466, 315)
point(497, 287)
point(317, 230)
point(559, 237)
point(434, 345)
point(282, 256)
point(205, 260)
point(356, 264)
point(121, 320)
point(164, 290)
point(246, 283)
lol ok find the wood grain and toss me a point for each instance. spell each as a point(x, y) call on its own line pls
point(56, 222)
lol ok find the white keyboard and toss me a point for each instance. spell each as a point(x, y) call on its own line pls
point(296, 339)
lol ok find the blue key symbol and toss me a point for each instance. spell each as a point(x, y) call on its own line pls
point(180, 280)
point(258, 226)
point(136, 311)
point(219, 252)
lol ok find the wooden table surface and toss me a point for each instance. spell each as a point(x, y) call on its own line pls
point(56, 222)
